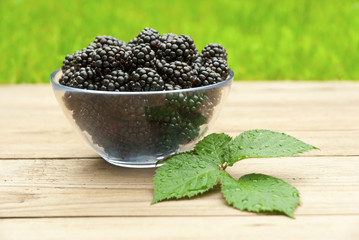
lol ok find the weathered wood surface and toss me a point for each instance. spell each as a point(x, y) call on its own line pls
point(52, 186)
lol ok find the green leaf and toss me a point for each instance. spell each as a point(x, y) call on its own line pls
point(264, 144)
point(184, 175)
point(260, 193)
point(212, 147)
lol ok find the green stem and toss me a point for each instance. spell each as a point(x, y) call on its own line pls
point(222, 166)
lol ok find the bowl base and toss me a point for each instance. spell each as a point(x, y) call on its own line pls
point(138, 161)
point(133, 164)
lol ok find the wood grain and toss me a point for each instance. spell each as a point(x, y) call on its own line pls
point(53, 186)
point(231, 228)
point(92, 187)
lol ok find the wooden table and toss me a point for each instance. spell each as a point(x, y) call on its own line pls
point(53, 186)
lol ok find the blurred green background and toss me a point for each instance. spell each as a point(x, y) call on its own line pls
point(265, 39)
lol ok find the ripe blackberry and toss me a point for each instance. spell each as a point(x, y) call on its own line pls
point(104, 60)
point(146, 79)
point(82, 58)
point(207, 76)
point(83, 78)
point(118, 125)
point(116, 81)
point(132, 42)
point(167, 37)
point(186, 103)
point(148, 36)
point(105, 41)
point(214, 50)
point(67, 63)
point(179, 120)
point(197, 63)
point(172, 87)
point(77, 60)
point(176, 48)
point(141, 56)
point(177, 74)
point(218, 65)
point(211, 99)
point(173, 59)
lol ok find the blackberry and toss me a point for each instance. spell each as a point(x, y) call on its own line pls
point(167, 37)
point(218, 65)
point(104, 60)
point(171, 60)
point(132, 42)
point(141, 56)
point(146, 79)
point(186, 103)
point(207, 76)
point(118, 125)
point(176, 48)
point(67, 63)
point(197, 64)
point(177, 74)
point(148, 36)
point(82, 58)
point(77, 60)
point(159, 65)
point(179, 120)
point(105, 41)
point(116, 81)
point(84, 78)
point(211, 99)
point(214, 50)
point(172, 87)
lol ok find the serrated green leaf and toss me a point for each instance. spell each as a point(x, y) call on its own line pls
point(264, 144)
point(260, 193)
point(184, 175)
point(212, 147)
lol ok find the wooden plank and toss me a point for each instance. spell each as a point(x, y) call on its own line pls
point(38, 188)
point(259, 227)
point(91, 199)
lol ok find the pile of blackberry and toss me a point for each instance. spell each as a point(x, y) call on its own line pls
point(149, 62)
point(143, 124)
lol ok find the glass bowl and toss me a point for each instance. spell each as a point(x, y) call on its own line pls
point(137, 129)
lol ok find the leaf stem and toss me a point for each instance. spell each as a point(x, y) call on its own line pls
point(222, 166)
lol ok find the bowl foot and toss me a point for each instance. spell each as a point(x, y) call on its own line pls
point(133, 164)
point(138, 162)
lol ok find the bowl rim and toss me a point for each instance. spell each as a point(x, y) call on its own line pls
point(58, 86)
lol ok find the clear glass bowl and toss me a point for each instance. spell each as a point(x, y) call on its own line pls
point(137, 129)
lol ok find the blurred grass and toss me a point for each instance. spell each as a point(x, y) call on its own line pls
point(265, 39)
